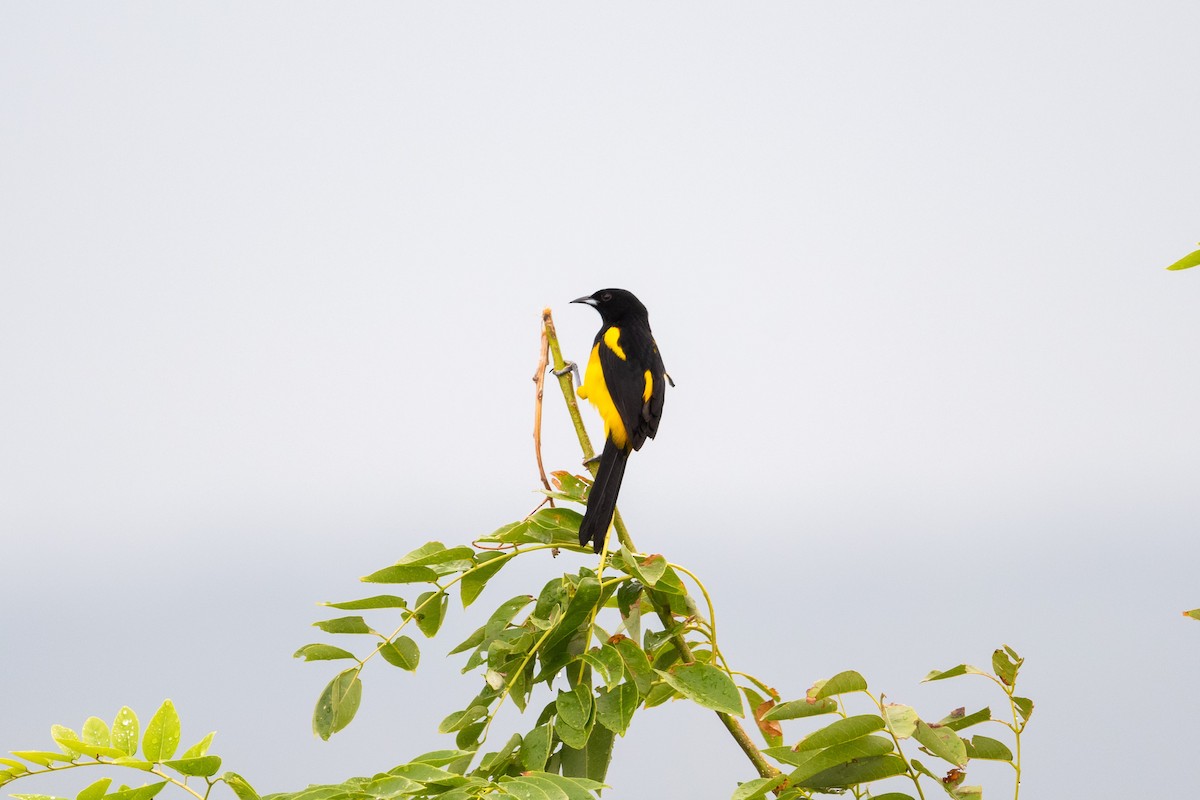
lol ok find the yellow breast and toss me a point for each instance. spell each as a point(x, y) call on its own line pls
point(595, 391)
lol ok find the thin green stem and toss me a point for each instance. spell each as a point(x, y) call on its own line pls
point(1017, 728)
point(887, 724)
point(509, 684)
point(712, 612)
point(97, 763)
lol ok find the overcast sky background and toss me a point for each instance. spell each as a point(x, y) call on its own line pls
point(269, 312)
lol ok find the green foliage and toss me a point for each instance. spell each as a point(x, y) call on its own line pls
point(1190, 260)
point(100, 745)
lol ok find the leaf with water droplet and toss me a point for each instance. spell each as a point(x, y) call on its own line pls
point(95, 732)
point(204, 766)
point(338, 704)
point(125, 731)
point(162, 733)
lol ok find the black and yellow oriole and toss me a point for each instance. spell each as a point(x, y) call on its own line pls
point(626, 382)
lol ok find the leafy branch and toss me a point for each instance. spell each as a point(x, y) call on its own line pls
point(600, 645)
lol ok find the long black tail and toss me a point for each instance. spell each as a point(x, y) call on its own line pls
point(602, 500)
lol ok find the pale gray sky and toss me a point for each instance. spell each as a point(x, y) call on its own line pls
point(272, 275)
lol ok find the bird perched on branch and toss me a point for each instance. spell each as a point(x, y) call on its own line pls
point(626, 382)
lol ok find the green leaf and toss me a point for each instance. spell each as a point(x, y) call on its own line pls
point(95, 790)
point(943, 743)
point(958, 719)
point(575, 707)
point(436, 553)
point(953, 672)
point(95, 732)
point(461, 719)
point(863, 770)
point(1194, 613)
point(133, 763)
point(705, 685)
point(162, 733)
point(752, 790)
point(344, 625)
point(468, 737)
point(796, 709)
point(607, 663)
point(42, 758)
point(77, 748)
point(669, 583)
point(432, 613)
point(200, 748)
point(636, 664)
point(36, 797)
point(502, 617)
point(520, 532)
point(401, 574)
point(830, 757)
point(202, 766)
point(14, 767)
point(592, 761)
point(471, 642)
point(240, 786)
point(140, 793)
point(424, 772)
point(401, 652)
point(535, 748)
point(1004, 667)
point(901, 719)
point(322, 652)
point(842, 683)
point(376, 601)
point(61, 734)
point(338, 704)
point(125, 731)
point(570, 487)
point(524, 788)
point(487, 564)
point(440, 758)
point(660, 693)
point(561, 524)
point(844, 730)
point(615, 708)
point(1024, 707)
point(1190, 260)
point(556, 651)
point(988, 749)
point(497, 763)
point(572, 736)
point(648, 570)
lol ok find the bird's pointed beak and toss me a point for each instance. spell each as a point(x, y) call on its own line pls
point(588, 300)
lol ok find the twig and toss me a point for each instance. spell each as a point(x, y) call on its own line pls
point(539, 380)
point(664, 612)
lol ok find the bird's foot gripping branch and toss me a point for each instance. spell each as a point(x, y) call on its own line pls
point(581, 656)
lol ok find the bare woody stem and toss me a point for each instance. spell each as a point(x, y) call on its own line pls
point(664, 612)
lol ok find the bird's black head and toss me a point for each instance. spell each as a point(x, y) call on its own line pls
point(615, 305)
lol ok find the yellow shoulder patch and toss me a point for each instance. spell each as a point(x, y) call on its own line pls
point(612, 337)
point(649, 390)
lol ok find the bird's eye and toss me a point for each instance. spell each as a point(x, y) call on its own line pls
point(606, 296)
